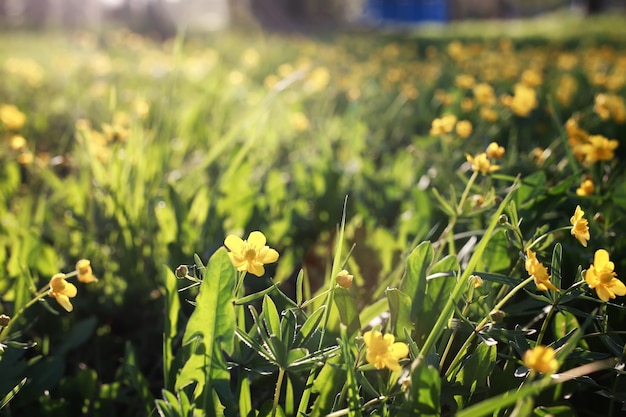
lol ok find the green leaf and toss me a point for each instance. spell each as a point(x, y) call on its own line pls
point(423, 398)
point(348, 312)
point(476, 370)
point(270, 317)
point(399, 312)
point(172, 309)
point(554, 411)
point(532, 186)
point(310, 326)
point(12, 393)
point(353, 394)
point(328, 383)
point(136, 379)
point(496, 257)
point(211, 329)
point(414, 285)
point(555, 267)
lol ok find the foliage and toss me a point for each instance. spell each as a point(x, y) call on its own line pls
point(438, 191)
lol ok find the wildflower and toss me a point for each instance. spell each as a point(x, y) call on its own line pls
point(484, 94)
point(541, 359)
point(580, 226)
point(62, 291)
point(250, 255)
point(85, 274)
point(539, 272)
point(602, 278)
point(17, 143)
point(531, 78)
point(495, 151)
point(11, 117)
point(586, 188)
point(599, 148)
point(464, 128)
point(524, 100)
point(443, 125)
point(382, 351)
point(481, 163)
point(344, 279)
point(464, 81)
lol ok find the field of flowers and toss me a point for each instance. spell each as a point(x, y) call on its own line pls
point(359, 224)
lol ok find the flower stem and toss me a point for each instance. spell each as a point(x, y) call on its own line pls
point(459, 356)
point(279, 384)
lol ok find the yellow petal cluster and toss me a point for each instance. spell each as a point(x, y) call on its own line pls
point(481, 163)
point(539, 272)
point(495, 151)
point(541, 359)
point(382, 352)
point(11, 117)
point(580, 226)
point(251, 254)
point(601, 277)
point(443, 125)
point(85, 273)
point(589, 148)
point(587, 187)
point(62, 291)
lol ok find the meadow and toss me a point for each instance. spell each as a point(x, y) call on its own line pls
point(374, 223)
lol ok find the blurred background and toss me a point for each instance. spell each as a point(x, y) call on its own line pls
point(163, 18)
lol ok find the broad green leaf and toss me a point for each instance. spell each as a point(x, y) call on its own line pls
point(270, 317)
point(310, 326)
point(288, 326)
point(348, 312)
point(211, 327)
point(423, 397)
point(496, 257)
point(328, 383)
point(414, 285)
point(476, 369)
point(399, 312)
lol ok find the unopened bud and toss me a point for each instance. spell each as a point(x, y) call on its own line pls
point(344, 279)
point(182, 271)
point(475, 281)
point(497, 316)
point(503, 219)
point(4, 320)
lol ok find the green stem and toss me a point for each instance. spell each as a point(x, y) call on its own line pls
point(545, 235)
point(468, 187)
point(279, 384)
point(459, 356)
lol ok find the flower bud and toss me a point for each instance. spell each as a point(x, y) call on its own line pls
point(4, 320)
point(182, 271)
point(475, 281)
point(344, 279)
point(497, 316)
point(503, 219)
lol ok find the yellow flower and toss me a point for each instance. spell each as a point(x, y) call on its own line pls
point(484, 94)
point(344, 279)
point(601, 276)
point(464, 128)
point(580, 226)
point(586, 188)
point(481, 163)
point(523, 101)
point(85, 274)
point(598, 148)
point(18, 143)
point(539, 272)
point(251, 254)
point(382, 351)
point(62, 291)
point(495, 151)
point(443, 125)
point(11, 117)
point(541, 359)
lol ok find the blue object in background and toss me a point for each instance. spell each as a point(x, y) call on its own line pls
point(408, 11)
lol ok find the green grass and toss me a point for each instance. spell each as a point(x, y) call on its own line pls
point(143, 156)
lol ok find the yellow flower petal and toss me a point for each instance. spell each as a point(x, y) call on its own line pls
point(64, 302)
point(601, 259)
point(234, 243)
point(256, 240)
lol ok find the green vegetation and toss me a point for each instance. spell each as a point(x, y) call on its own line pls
point(437, 175)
